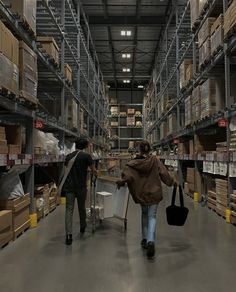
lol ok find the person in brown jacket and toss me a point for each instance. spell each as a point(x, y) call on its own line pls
point(143, 176)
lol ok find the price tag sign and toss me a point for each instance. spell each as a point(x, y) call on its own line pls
point(222, 123)
point(38, 124)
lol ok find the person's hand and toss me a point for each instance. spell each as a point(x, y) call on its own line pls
point(120, 183)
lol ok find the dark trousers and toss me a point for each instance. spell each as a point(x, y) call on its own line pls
point(70, 204)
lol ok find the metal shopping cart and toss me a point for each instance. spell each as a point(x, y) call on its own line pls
point(106, 201)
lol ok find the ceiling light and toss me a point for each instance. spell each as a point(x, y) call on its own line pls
point(126, 69)
point(140, 86)
point(126, 56)
point(126, 33)
point(126, 81)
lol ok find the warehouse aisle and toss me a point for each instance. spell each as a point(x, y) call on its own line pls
point(200, 257)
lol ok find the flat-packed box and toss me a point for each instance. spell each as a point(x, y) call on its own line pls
point(194, 7)
point(28, 61)
point(196, 104)
point(26, 9)
point(131, 144)
point(205, 31)
point(130, 111)
point(217, 39)
point(172, 123)
point(188, 110)
point(28, 87)
point(205, 52)
point(186, 72)
point(6, 234)
point(9, 45)
point(68, 72)
point(20, 211)
point(163, 130)
point(9, 75)
point(72, 114)
point(50, 46)
point(114, 124)
point(230, 18)
point(130, 121)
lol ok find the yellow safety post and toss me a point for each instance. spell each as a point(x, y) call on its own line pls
point(63, 200)
point(228, 215)
point(196, 197)
point(33, 220)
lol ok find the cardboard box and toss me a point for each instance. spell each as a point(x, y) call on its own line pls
point(5, 220)
point(114, 110)
point(131, 144)
point(205, 31)
point(9, 45)
point(205, 52)
point(130, 111)
point(131, 121)
point(196, 104)
point(14, 149)
point(28, 61)
point(191, 147)
point(28, 88)
point(230, 18)
point(217, 39)
point(163, 130)
point(72, 114)
point(9, 75)
point(202, 4)
point(194, 7)
point(114, 124)
point(188, 110)
point(26, 9)
point(50, 46)
point(68, 72)
point(14, 135)
point(186, 72)
point(172, 123)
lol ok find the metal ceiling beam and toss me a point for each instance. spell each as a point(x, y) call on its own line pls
point(125, 21)
point(106, 16)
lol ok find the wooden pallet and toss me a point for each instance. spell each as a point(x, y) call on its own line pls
point(26, 100)
point(230, 33)
point(217, 50)
point(7, 93)
point(21, 230)
point(24, 23)
point(4, 242)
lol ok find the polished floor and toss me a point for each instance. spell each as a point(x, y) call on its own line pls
point(198, 257)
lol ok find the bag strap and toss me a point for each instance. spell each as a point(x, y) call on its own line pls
point(181, 197)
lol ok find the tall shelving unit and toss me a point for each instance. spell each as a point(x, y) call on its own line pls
point(179, 42)
point(122, 133)
point(66, 22)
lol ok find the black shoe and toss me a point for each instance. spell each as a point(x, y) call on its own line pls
point(150, 249)
point(82, 229)
point(69, 239)
point(144, 243)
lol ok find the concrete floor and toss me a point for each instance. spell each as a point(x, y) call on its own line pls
point(198, 257)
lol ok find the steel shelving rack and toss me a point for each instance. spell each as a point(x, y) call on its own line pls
point(121, 128)
point(179, 41)
point(66, 22)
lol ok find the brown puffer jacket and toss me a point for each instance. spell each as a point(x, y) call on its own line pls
point(144, 177)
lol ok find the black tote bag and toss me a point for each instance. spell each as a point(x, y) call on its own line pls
point(177, 215)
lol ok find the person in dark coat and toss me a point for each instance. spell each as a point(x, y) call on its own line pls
point(143, 176)
point(75, 187)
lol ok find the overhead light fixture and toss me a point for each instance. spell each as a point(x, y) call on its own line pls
point(126, 69)
point(126, 33)
point(140, 86)
point(126, 81)
point(126, 56)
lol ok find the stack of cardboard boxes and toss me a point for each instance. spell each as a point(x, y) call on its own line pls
point(230, 19)
point(6, 233)
point(204, 40)
point(196, 104)
point(68, 73)
point(50, 46)
point(217, 34)
point(197, 8)
point(188, 110)
point(221, 196)
point(72, 117)
point(189, 186)
point(163, 130)
point(10, 139)
point(20, 213)
point(3, 141)
point(186, 72)
point(172, 123)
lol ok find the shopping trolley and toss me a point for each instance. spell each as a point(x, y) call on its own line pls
point(115, 202)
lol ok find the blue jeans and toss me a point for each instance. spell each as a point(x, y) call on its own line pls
point(149, 221)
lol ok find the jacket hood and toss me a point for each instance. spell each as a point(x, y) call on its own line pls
point(143, 165)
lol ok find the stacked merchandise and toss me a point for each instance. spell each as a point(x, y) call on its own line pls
point(28, 74)
point(130, 111)
point(20, 213)
point(233, 207)
point(81, 121)
point(188, 110)
point(196, 104)
point(211, 193)
point(189, 186)
point(42, 194)
point(114, 124)
point(232, 145)
point(230, 19)
point(131, 145)
point(53, 197)
point(72, 116)
point(163, 130)
point(204, 41)
point(6, 233)
point(221, 196)
point(196, 7)
point(68, 73)
point(114, 111)
point(50, 46)
point(212, 96)
point(217, 34)
point(131, 121)
point(14, 139)
point(3, 141)
point(9, 61)
point(186, 72)
point(172, 123)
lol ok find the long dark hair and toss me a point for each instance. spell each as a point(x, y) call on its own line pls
point(144, 147)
